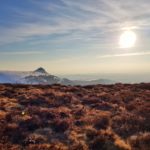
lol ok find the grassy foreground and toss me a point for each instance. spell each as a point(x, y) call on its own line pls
point(57, 117)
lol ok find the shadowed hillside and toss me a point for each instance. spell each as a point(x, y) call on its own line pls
point(57, 117)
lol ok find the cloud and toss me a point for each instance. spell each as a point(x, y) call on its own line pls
point(83, 17)
point(23, 53)
point(124, 55)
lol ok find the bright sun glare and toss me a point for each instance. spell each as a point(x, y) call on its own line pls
point(127, 39)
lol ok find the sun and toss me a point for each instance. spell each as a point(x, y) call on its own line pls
point(127, 39)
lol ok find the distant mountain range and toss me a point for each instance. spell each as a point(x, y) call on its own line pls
point(41, 76)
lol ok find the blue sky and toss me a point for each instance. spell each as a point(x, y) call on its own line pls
point(74, 37)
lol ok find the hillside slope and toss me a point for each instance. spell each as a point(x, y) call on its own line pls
point(41, 76)
point(56, 117)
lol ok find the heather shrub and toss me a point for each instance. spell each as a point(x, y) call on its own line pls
point(34, 139)
point(9, 146)
point(63, 115)
point(140, 141)
point(31, 124)
point(101, 123)
point(46, 114)
point(39, 147)
point(127, 124)
point(79, 146)
point(103, 143)
point(91, 134)
point(79, 123)
point(90, 100)
point(108, 141)
point(9, 93)
point(104, 106)
point(145, 86)
point(14, 134)
point(60, 125)
point(80, 112)
point(8, 117)
point(40, 101)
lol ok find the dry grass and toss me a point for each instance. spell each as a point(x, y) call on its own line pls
point(57, 117)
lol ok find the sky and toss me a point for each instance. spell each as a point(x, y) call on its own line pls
point(74, 36)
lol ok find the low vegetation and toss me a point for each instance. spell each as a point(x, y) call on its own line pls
point(57, 117)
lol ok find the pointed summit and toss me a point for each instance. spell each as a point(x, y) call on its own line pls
point(40, 70)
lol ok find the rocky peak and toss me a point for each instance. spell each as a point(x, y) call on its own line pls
point(41, 70)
